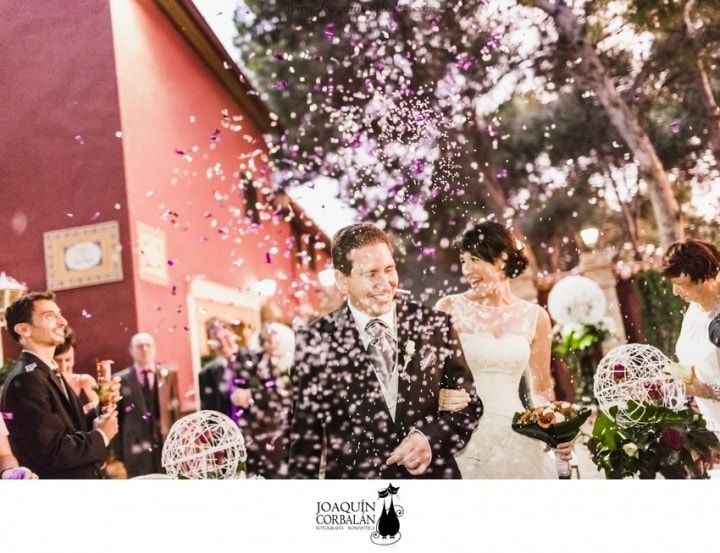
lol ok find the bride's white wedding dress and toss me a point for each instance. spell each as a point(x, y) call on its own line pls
point(496, 342)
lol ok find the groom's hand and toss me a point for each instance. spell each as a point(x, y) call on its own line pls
point(413, 453)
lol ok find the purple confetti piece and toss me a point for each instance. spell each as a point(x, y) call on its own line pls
point(280, 84)
point(179, 152)
point(502, 173)
point(14, 474)
point(79, 139)
point(215, 135)
point(170, 262)
point(675, 127)
point(174, 290)
point(268, 259)
point(464, 64)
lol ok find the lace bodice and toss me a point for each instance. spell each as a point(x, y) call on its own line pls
point(496, 342)
point(469, 317)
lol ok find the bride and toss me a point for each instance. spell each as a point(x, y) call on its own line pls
point(503, 337)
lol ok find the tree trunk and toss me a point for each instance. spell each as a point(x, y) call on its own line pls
point(590, 68)
point(627, 215)
point(702, 81)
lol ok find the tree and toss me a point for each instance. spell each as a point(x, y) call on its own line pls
point(589, 67)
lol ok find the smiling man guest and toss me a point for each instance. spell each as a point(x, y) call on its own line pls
point(49, 431)
point(367, 377)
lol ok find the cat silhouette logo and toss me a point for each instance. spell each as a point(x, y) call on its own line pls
point(387, 529)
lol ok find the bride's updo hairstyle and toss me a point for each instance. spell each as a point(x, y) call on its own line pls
point(491, 242)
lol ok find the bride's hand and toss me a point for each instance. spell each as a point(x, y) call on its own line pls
point(453, 400)
point(564, 451)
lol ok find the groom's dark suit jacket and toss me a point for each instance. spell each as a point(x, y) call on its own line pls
point(49, 433)
point(339, 404)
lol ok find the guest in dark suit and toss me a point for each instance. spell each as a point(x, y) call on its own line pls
point(49, 432)
point(367, 377)
point(263, 399)
point(217, 377)
point(148, 408)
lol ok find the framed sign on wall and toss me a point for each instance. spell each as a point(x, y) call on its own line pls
point(83, 256)
point(152, 254)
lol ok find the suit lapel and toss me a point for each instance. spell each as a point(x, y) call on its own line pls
point(72, 409)
point(408, 328)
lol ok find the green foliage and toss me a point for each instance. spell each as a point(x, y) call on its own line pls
point(577, 340)
point(659, 441)
point(581, 349)
point(662, 311)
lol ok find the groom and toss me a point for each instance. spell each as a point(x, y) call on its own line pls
point(367, 377)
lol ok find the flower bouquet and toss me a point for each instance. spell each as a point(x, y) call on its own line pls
point(675, 444)
point(554, 423)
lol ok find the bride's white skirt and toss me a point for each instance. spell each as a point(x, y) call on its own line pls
point(495, 450)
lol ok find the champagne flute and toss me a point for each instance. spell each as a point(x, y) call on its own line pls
point(104, 378)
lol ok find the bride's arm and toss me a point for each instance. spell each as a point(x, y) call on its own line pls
point(541, 381)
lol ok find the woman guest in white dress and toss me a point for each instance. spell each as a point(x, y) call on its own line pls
point(693, 268)
point(503, 337)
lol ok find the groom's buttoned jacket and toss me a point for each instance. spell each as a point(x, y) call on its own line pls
point(49, 432)
point(339, 406)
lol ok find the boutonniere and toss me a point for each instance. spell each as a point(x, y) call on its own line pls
point(409, 351)
point(164, 372)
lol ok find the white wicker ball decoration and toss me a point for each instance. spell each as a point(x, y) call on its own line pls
point(204, 445)
point(577, 300)
point(636, 372)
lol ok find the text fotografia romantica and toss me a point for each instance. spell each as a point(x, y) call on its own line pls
point(345, 515)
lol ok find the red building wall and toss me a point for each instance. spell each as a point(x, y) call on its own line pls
point(176, 161)
point(113, 116)
point(61, 164)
